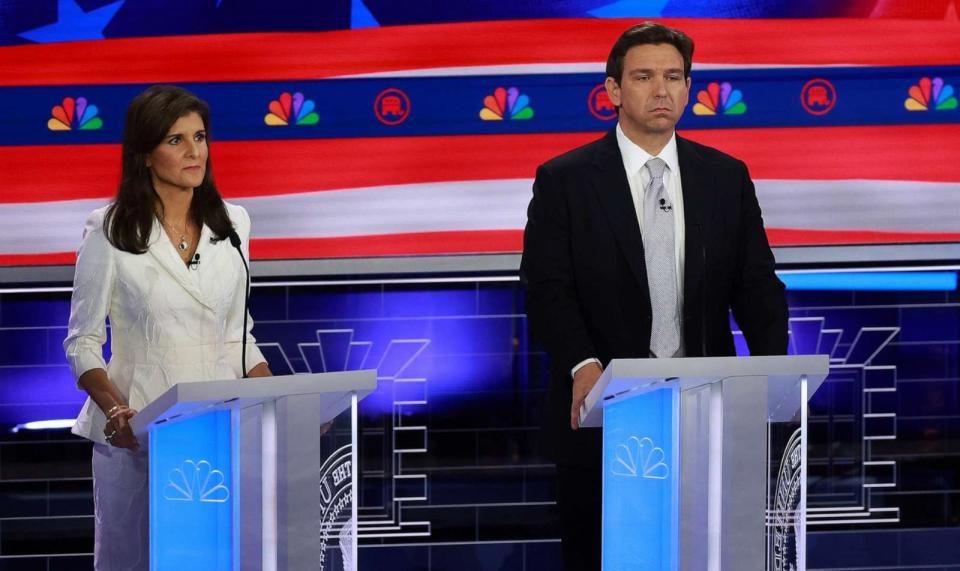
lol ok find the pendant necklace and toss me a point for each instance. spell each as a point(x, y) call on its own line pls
point(182, 244)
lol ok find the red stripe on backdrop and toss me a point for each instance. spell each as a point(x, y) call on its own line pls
point(291, 56)
point(804, 237)
point(284, 167)
point(258, 168)
point(46, 259)
point(58, 172)
point(418, 243)
point(896, 152)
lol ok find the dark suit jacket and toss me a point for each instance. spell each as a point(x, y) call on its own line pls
point(584, 271)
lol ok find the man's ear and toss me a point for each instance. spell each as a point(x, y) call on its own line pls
point(613, 90)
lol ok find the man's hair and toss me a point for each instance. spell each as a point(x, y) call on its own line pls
point(648, 33)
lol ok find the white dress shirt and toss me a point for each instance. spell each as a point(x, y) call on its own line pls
point(634, 159)
point(638, 177)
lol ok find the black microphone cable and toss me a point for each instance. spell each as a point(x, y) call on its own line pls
point(235, 242)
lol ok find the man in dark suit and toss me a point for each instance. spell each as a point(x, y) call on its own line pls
point(638, 245)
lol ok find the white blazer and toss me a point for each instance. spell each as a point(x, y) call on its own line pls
point(168, 323)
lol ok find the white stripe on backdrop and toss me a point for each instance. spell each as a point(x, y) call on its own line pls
point(897, 206)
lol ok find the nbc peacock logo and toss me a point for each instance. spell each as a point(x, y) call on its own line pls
point(720, 99)
point(74, 114)
point(930, 94)
point(196, 482)
point(506, 104)
point(292, 109)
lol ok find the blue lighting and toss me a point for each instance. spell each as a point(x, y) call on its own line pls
point(871, 281)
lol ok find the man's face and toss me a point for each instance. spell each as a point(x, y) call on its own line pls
point(652, 93)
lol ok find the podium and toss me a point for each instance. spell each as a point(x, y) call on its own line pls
point(704, 461)
point(254, 474)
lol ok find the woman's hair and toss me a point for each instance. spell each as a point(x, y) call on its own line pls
point(129, 219)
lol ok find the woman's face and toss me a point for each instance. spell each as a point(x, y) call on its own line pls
point(179, 162)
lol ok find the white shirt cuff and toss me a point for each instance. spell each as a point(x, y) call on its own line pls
point(583, 363)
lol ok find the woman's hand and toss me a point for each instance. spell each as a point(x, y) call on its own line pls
point(109, 399)
point(261, 370)
point(118, 431)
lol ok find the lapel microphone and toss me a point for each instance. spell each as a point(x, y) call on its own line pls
point(235, 242)
point(195, 262)
point(664, 206)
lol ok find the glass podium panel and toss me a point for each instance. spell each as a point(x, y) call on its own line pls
point(786, 460)
point(316, 516)
point(640, 456)
point(193, 500)
point(256, 474)
point(315, 525)
point(705, 472)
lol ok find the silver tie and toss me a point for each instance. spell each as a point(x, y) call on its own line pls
point(661, 264)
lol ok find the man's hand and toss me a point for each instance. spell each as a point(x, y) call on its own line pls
point(583, 381)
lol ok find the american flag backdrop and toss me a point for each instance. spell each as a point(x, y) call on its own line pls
point(365, 129)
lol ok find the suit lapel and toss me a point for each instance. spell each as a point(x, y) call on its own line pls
point(697, 201)
point(215, 272)
point(613, 191)
point(163, 251)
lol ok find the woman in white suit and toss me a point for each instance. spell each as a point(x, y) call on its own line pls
point(158, 262)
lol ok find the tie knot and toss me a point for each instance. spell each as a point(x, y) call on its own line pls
point(656, 166)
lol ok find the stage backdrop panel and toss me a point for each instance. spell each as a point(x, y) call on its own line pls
point(360, 129)
point(452, 469)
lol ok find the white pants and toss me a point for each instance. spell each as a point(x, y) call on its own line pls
point(121, 507)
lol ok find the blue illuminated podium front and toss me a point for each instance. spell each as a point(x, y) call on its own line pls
point(227, 475)
point(704, 461)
